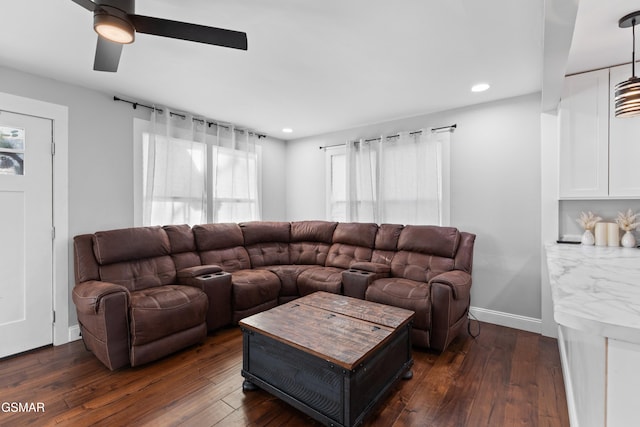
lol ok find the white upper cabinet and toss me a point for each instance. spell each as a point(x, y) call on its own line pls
point(624, 144)
point(599, 153)
point(584, 133)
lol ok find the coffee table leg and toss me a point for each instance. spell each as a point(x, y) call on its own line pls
point(408, 375)
point(248, 386)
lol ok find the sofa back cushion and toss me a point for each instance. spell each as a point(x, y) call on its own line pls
point(464, 255)
point(136, 258)
point(140, 274)
point(183, 246)
point(255, 232)
point(222, 244)
point(425, 251)
point(267, 242)
point(352, 242)
point(130, 243)
point(84, 261)
point(386, 243)
point(430, 240)
point(313, 231)
point(310, 241)
point(419, 267)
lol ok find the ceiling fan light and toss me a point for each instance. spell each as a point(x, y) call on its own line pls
point(113, 28)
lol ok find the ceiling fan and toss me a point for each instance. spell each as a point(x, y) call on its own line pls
point(116, 24)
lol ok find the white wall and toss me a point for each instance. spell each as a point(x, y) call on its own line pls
point(495, 188)
point(495, 193)
point(100, 157)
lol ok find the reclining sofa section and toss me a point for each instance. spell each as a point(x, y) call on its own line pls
point(143, 293)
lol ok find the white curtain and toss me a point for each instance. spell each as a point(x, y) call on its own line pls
point(195, 171)
point(235, 169)
point(363, 158)
point(174, 170)
point(396, 179)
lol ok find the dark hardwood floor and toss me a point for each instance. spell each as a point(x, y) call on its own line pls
point(505, 377)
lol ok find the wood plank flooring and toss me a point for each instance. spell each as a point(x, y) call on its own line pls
point(505, 377)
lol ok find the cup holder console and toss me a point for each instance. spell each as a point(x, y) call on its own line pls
point(212, 275)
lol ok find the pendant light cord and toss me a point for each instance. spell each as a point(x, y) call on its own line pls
point(633, 53)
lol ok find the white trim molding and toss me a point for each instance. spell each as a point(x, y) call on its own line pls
point(74, 333)
point(60, 116)
point(509, 320)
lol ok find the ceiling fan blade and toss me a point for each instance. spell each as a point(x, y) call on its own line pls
point(191, 32)
point(107, 55)
point(87, 4)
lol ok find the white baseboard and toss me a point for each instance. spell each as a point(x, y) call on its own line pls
point(74, 333)
point(509, 320)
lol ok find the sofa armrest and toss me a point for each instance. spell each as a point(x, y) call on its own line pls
point(459, 281)
point(103, 315)
point(198, 270)
point(87, 296)
point(356, 281)
point(217, 285)
point(202, 276)
point(373, 267)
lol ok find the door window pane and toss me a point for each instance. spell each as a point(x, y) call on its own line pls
point(11, 151)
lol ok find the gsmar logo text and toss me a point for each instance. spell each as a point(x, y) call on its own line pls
point(22, 407)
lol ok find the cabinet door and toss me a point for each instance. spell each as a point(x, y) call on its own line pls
point(584, 117)
point(624, 145)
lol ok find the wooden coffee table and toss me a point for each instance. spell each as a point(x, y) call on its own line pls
point(332, 357)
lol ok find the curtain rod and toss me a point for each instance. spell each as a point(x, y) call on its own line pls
point(433, 130)
point(135, 105)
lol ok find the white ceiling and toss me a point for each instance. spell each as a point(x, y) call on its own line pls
point(316, 66)
point(598, 41)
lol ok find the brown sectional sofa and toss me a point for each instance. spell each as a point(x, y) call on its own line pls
point(143, 293)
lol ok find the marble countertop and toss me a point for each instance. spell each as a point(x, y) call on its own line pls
point(596, 289)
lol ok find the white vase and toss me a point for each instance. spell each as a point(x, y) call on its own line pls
point(588, 238)
point(628, 240)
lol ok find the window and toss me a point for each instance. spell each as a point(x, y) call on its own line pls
point(209, 177)
point(235, 185)
point(174, 181)
point(401, 179)
point(336, 172)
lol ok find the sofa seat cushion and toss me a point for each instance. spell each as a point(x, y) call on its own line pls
point(404, 293)
point(328, 279)
point(164, 310)
point(288, 275)
point(251, 288)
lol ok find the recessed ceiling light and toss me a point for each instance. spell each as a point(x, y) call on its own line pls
point(480, 87)
point(287, 130)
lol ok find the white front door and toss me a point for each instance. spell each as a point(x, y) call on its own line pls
point(26, 226)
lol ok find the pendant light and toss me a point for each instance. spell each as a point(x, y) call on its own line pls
point(627, 94)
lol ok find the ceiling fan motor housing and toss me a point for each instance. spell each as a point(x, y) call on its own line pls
point(113, 17)
point(126, 6)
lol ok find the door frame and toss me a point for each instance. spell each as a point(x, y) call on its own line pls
point(59, 114)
